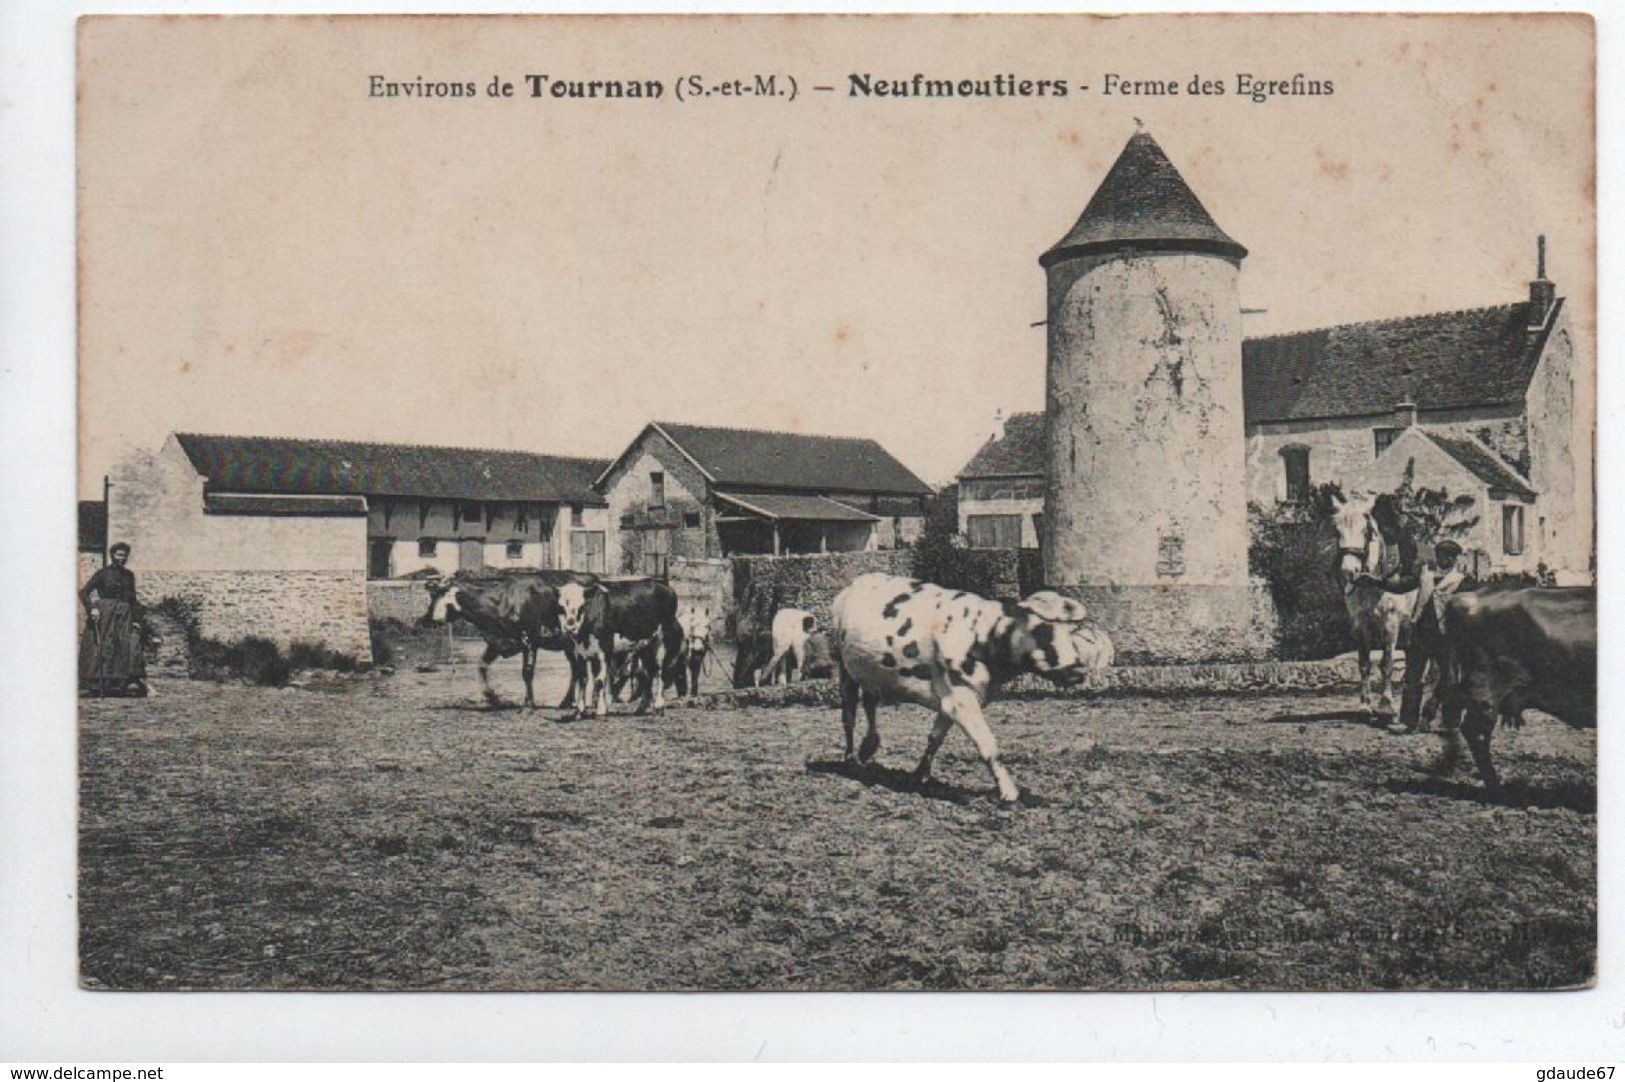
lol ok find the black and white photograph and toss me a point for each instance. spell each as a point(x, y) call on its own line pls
point(836, 504)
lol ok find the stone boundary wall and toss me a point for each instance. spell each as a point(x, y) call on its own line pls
point(328, 607)
point(1335, 674)
point(89, 564)
point(1183, 624)
point(764, 584)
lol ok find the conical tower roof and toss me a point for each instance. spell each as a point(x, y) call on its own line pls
point(1143, 203)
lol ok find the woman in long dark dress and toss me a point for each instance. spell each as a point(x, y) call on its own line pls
point(110, 658)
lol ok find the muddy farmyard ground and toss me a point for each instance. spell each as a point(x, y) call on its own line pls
point(389, 832)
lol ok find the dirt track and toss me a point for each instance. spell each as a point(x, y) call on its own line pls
point(391, 832)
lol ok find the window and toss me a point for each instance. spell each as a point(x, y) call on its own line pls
point(1512, 529)
point(1383, 437)
point(471, 512)
point(1296, 461)
point(994, 531)
point(426, 547)
point(691, 520)
point(575, 514)
point(516, 550)
point(657, 489)
point(656, 552)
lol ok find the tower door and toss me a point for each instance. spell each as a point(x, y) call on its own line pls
point(470, 554)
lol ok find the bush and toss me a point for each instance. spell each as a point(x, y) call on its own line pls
point(315, 655)
point(1294, 550)
point(258, 661)
point(185, 612)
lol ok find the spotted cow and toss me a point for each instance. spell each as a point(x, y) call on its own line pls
point(902, 640)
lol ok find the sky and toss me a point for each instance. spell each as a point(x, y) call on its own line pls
point(265, 249)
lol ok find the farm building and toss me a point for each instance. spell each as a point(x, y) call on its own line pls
point(280, 537)
point(703, 492)
point(1478, 402)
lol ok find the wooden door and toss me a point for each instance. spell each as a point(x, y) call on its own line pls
point(470, 554)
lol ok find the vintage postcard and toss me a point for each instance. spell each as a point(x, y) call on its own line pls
point(837, 502)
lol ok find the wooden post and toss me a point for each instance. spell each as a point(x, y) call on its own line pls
point(775, 537)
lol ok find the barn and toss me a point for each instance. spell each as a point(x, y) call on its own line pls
point(300, 539)
point(701, 491)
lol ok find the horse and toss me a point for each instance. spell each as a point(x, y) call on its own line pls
point(1376, 617)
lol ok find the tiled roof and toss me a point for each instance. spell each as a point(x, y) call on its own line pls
point(1018, 453)
point(1482, 462)
point(92, 525)
point(226, 503)
point(1143, 203)
point(246, 464)
point(752, 458)
point(1448, 360)
point(796, 508)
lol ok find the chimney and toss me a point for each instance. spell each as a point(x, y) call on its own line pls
point(1405, 415)
point(998, 423)
point(1542, 293)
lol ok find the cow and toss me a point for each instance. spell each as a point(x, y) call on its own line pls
point(643, 611)
point(903, 640)
point(791, 627)
point(695, 622)
point(516, 612)
point(1510, 649)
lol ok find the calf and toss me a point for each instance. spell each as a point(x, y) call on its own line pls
point(643, 611)
point(1506, 650)
point(696, 627)
point(904, 640)
point(791, 627)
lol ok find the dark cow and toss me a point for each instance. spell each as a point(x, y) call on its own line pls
point(516, 612)
point(903, 640)
point(641, 611)
point(1510, 649)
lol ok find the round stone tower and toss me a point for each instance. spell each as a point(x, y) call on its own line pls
point(1146, 509)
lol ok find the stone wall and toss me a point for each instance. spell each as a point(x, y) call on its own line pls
point(764, 584)
point(327, 607)
point(1185, 624)
point(89, 564)
point(405, 601)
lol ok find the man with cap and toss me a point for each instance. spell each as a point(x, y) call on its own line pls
point(1435, 583)
point(110, 651)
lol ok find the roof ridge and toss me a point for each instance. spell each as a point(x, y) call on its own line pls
point(1385, 322)
point(769, 432)
point(405, 446)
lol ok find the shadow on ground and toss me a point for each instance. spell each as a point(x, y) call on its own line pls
point(902, 781)
point(1515, 793)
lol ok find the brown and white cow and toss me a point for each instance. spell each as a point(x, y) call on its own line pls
point(902, 640)
point(642, 611)
point(515, 612)
point(1510, 649)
